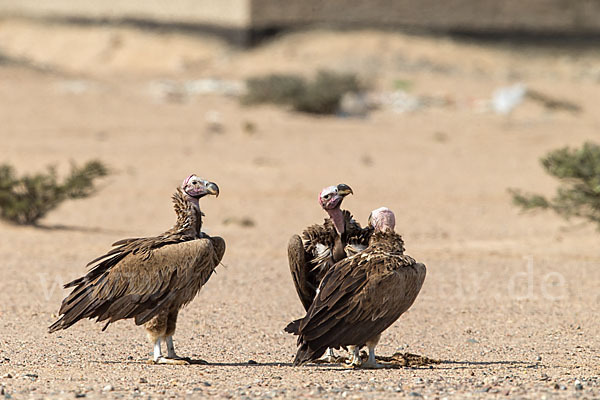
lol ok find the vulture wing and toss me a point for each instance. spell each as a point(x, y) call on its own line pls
point(130, 283)
point(358, 299)
point(300, 269)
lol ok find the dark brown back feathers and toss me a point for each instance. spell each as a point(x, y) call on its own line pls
point(359, 298)
point(140, 275)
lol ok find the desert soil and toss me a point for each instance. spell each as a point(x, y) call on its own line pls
point(510, 303)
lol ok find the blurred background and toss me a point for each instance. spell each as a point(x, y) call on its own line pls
point(432, 108)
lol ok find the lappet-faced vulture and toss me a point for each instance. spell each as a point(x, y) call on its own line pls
point(311, 254)
point(361, 296)
point(150, 279)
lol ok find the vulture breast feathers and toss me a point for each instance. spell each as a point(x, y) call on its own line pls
point(359, 298)
point(140, 277)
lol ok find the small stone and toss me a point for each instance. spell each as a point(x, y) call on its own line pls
point(578, 385)
point(108, 388)
point(252, 362)
point(143, 380)
point(130, 358)
point(418, 381)
point(539, 358)
point(7, 375)
point(79, 395)
point(415, 394)
point(471, 340)
point(206, 384)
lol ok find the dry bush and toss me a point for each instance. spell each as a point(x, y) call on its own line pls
point(579, 193)
point(26, 199)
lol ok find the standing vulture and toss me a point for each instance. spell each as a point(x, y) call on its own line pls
point(311, 255)
point(361, 296)
point(150, 279)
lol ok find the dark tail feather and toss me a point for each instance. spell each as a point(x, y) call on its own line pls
point(306, 354)
point(293, 327)
point(56, 326)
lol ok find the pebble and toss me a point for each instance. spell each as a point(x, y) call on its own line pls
point(418, 381)
point(108, 388)
point(578, 385)
point(7, 375)
point(79, 395)
point(415, 394)
point(252, 362)
point(143, 380)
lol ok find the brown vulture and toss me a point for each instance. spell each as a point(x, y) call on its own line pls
point(313, 253)
point(360, 297)
point(150, 279)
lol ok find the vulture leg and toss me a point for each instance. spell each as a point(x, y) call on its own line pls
point(329, 356)
point(172, 357)
point(157, 350)
point(354, 356)
point(372, 362)
point(158, 328)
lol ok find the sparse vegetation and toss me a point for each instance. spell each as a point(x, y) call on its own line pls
point(24, 200)
point(579, 195)
point(321, 95)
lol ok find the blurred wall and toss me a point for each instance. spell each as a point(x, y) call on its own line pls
point(536, 16)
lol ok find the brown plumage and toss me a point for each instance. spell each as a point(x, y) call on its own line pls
point(311, 254)
point(150, 279)
point(360, 296)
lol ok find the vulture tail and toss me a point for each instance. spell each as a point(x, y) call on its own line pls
point(306, 353)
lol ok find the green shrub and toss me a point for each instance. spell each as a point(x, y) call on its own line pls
point(579, 194)
point(321, 95)
point(26, 199)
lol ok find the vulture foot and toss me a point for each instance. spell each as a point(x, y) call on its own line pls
point(330, 358)
point(172, 361)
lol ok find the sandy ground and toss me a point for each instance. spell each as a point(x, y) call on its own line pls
point(510, 302)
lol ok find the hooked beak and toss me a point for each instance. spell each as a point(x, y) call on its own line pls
point(344, 190)
point(212, 188)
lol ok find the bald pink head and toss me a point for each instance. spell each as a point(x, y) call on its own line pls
point(331, 197)
point(197, 187)
point(382, 219)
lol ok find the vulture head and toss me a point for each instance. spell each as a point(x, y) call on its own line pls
point(331, 197)
point(197, 188)
point(382, 219)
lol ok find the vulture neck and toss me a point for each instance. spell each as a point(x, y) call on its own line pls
point(337, 217)
point(189, 216)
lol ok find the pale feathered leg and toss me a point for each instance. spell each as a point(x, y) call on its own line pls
point(371, 363)
point(329, 356)
point(354, 360)
point(171, 351)
point(172, 358)
point(157, 350)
